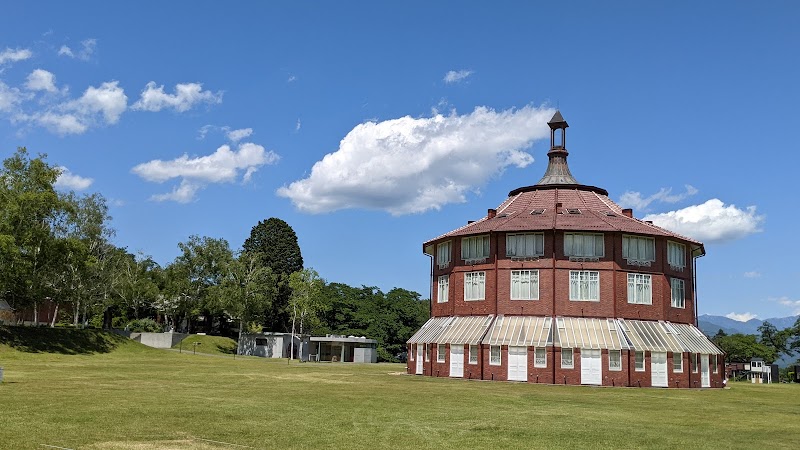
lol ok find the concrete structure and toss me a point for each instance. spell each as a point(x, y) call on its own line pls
point(332, 348)
point(273, 345)
point(559, 284)
point(343, 349)
point(158, 340)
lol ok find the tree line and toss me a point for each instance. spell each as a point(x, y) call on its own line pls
point(770, 344)
point(57, 248)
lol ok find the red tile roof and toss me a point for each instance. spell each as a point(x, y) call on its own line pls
point(597, 213)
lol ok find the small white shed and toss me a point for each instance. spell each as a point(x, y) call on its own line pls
point(273, 345)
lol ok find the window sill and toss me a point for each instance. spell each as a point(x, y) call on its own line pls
point(642, 304)
point(474, 300)
point(585, 301)
point(495, 364)
point(524, 299)
point(568, 367)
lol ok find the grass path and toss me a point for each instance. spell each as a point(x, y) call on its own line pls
point(134, 397)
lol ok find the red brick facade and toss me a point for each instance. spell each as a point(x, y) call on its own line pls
point(553, 207)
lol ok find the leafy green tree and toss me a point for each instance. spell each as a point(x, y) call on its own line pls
point(28, 207)
point(778, 340)
point(275, 243)
point(744, 347)
point(204, 263)
point(246, 290)
point(305, 301)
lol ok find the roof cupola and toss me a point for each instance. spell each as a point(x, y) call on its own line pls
point(557, 169)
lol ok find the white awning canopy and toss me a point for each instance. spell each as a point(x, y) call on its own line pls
point(430, 331)
point(520, 331)
point(590, 333)
point(650, 336)
point(464, 330)
point(693, 340)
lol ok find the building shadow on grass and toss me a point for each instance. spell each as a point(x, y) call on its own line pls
point(59, 340)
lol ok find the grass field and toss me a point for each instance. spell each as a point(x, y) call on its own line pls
point(122, 395)
point(213, 345)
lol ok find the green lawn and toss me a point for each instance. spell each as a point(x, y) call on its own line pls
point(214, 345)
point(126, 396)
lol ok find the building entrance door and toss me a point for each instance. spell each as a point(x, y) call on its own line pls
point(457, 360)
point(518, 363)
point(591, 366)
point(705, 377)
point(658, 369)
point(420, 348)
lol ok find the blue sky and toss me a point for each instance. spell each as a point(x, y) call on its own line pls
point(371, 127)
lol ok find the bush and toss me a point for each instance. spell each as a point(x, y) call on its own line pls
point(144, 326)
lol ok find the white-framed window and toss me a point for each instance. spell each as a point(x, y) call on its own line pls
point(411, 352)
point(677, 362)
point(584, 286)
point(584, 245)
point(676, 255)
point(638, 361)
point(524, 285)
point(475, 247)
point(694, 358)
point(441, 352)
point(525, 245)
point(494, 355)
point(615, 360)
point(427, 352)
point(443, 254)
point(443, 293)
point(474, 286)
point(640, 289)
point(715, 364)
point(539, 357)
point(678, 288)
point(473, 354)
point(638, 250)
point(567, 361)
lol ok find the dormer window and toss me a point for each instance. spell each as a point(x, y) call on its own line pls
point(573, 211)
point(537, 212)
point(638, 250)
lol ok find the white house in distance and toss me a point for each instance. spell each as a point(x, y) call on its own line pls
point(330, 348)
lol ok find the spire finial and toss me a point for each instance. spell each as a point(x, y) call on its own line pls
point(557, 169)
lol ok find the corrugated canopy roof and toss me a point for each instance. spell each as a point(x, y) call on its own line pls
point(693, 340)
point(464, 330)
point(579, 332)
point(651, 336)
point(429, 331)
point(529, 331)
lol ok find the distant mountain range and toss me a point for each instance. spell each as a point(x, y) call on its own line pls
point(710, 325)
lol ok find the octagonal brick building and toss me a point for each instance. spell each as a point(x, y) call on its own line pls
point(561, 285)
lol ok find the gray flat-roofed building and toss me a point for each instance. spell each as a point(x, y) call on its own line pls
point(343, 349)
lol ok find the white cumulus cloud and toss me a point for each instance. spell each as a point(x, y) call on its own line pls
point(186, 96)
point(238, 135)
point(455, 76)
point(222, 166)
point(69, 181)
point(635, 200)
point(794, 305)
point(410, 165)
point(9, 98)
point(743, 317)
point(41, 80)
point(96, 105)
point(752, 274)
point(85, 53)
point(18, 54)
point(711, 221)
